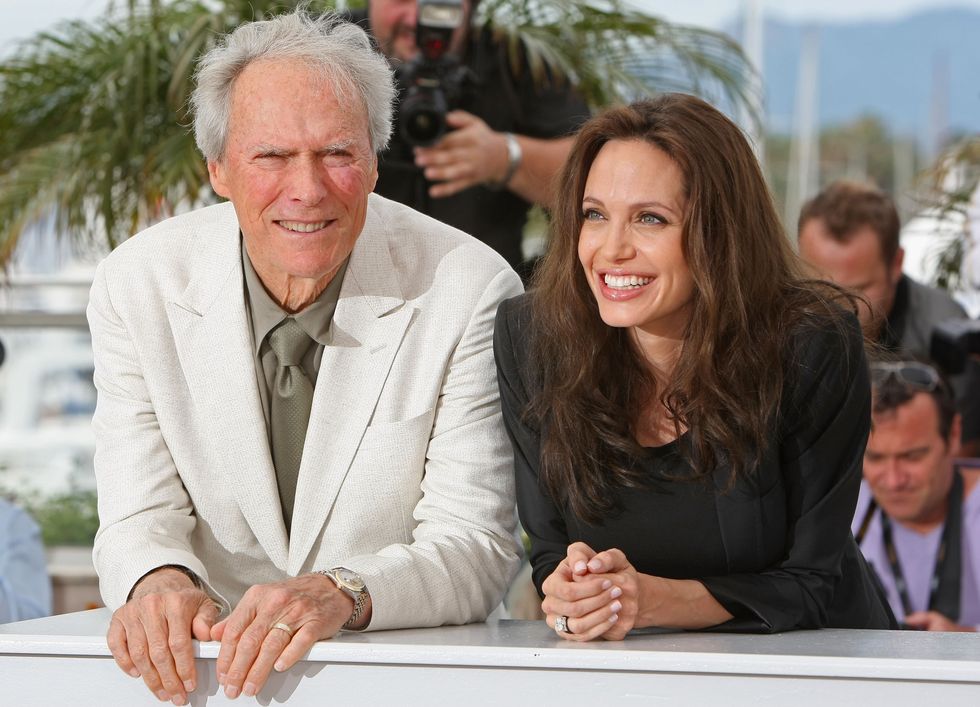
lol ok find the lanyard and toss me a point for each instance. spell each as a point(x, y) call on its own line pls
point(944, 587)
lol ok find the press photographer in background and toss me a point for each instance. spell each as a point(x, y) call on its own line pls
point(918, 514)
point(504, 129)
point(849, 233)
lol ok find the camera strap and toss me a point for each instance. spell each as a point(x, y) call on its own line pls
point(944, 586)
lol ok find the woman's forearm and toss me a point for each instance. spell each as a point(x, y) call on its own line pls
point(677, 603)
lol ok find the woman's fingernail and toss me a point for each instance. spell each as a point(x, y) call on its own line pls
point(615, 607)
point(595, 565)
point(606, 584)
point(614, 618)
point(617, 592)
point(580, 566)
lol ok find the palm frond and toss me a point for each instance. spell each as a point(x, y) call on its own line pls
point(94, 122)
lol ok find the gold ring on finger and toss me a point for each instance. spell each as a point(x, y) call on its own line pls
point(282, 627)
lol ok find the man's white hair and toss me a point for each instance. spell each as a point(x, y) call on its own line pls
point(339, 50)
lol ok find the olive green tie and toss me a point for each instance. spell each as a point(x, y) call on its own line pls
point(289, 413)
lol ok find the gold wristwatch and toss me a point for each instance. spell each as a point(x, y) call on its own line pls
point(351, 584)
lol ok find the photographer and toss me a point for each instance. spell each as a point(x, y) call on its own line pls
point(506, 129)
point(849, 233)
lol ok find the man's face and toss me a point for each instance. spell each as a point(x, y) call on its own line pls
point(393, 26)
point(857, 264)
point(298, 167)
point(908, 464)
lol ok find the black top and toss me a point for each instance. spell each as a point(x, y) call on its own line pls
point(776, 550)
point(508, 100)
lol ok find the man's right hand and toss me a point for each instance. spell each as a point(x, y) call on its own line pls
point(150, 635)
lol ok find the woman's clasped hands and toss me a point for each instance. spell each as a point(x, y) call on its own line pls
point(595, 595)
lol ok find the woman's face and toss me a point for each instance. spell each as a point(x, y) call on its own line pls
point(630, 245)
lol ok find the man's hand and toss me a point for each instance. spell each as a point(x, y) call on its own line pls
point(934, 621)
point(254, 638)
point(469, 154)
point(150, 635)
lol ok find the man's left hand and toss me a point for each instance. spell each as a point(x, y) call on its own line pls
point(469, 154)
point(254, 638)
point(934, 621)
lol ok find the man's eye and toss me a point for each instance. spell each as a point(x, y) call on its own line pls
point(338, 159)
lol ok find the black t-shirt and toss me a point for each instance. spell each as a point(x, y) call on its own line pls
point(507, 100)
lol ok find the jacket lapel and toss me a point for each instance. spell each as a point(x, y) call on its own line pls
point(367, 330)
point(214, 343)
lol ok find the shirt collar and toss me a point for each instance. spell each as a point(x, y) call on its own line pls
point(266, 313)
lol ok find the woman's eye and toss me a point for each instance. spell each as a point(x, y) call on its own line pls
point(651, 219)
point(591, 215)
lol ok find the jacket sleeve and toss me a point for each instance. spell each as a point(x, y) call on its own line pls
point(540, 517)
point(145, 514)
point(824, 426)
point(464, 552)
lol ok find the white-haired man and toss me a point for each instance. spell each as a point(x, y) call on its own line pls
point(298, 420)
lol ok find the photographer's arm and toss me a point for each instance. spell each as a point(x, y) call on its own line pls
point(472, 153)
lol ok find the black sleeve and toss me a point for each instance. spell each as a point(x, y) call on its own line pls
point(825, 421)
point(540, 517)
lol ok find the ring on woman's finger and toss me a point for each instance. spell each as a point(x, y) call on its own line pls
point(282, 627)
point(561, 625)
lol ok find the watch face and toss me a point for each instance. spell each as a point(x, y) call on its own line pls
point(349, 579)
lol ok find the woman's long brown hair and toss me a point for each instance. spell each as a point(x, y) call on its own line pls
point(750, 292)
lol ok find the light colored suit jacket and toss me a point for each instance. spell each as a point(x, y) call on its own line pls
point(407, 475)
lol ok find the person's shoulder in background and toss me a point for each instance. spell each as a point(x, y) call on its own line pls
point(25, 589)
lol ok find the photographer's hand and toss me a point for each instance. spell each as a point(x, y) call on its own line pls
point(471, 154)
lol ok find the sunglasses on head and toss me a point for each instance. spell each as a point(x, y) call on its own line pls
point(913, 374)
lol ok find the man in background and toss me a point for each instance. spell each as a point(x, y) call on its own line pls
point(508, 132)
point(918, 515)
point(25, 590)
point(849, 233)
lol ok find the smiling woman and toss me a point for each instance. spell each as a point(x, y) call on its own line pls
point(688, 412)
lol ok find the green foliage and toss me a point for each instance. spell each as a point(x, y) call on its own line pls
point(949, 187)
point(70, 518)
point(616, 54)
point(94, 126)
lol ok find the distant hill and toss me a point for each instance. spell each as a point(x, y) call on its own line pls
point(881, 67)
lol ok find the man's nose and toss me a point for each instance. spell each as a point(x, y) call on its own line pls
point(308, 182)
point(893, 476)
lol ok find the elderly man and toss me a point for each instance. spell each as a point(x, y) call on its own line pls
point(298, 418)
point(849, 233)
point(918, 515)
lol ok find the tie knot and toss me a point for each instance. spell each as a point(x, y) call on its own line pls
point(289, 342)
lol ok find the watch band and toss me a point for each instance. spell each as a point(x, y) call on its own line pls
point(515, 156)
point(359, 596)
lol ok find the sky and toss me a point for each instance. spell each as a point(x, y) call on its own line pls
point(20, 19)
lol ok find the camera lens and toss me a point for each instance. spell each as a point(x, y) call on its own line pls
point(423, 116)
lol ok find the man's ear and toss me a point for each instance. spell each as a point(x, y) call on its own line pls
point(955, 435)
point(216, 172)
point(895, 269)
